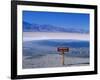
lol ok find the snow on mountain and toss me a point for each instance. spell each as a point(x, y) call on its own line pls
point(27, 27)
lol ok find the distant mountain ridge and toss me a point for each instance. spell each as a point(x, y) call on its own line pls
point(27, 27)
point(43, 47)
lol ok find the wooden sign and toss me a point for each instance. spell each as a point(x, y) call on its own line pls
point(62, 50)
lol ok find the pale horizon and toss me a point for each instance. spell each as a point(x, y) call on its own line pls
point(29, 36)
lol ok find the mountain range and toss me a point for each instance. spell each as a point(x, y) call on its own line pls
point(27, 27)
point(42, 47)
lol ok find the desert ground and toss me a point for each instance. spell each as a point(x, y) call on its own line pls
point(53, 60)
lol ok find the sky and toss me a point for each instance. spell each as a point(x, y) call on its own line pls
point(59, 19)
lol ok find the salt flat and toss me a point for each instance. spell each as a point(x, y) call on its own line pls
point(28, 36)
point(53, 60)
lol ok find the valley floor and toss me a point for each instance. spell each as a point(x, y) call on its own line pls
point(53, 60)
point(29, 36)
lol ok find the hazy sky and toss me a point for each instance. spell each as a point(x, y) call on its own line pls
point(59, 19)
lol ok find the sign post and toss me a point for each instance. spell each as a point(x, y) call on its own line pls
point(62, 50)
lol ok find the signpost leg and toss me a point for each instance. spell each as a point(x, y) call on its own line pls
point(63, 58)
